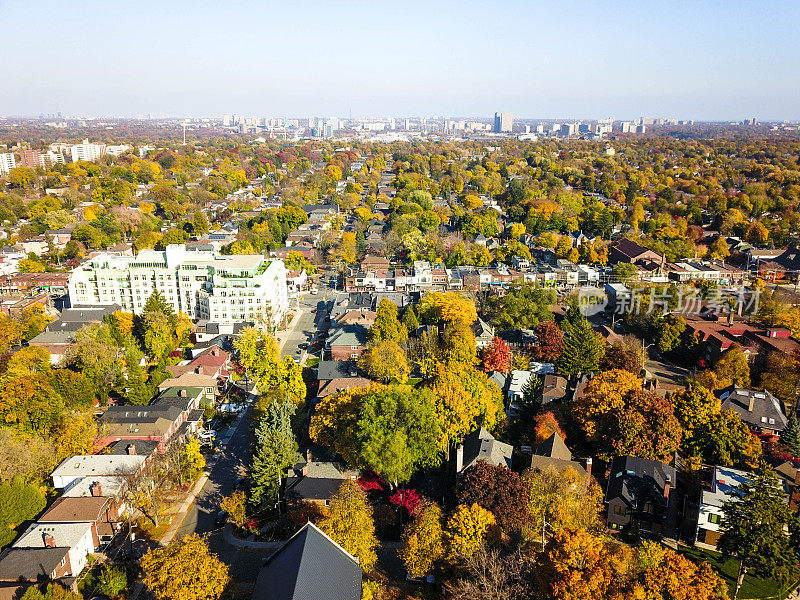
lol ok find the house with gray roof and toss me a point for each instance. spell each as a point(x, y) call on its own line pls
point(638, 495)
point(309, 566)
point(481, 445)
point(553, 453)
point(347, 343)
point(760, 410)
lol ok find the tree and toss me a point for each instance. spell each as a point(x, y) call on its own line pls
point(695, 407)
point(423, 541)
point(235, 505)
point(523, 306)
point(465, 400)
point(111, 581)
point(349, 523)
point(490, 575)
point(386, 326)
point(30, 403)
point(624, 354)
point(576, 566)
point(550, 342)
point(497, 356)
point(604, 395)
point(732, 368)
point(624, 271)
point(260, 355)
point(667, 575)
point(410, 319)
point(790, 436)
point(781, 376)
point(560, 499)
point(446, 308)
point(646, 428)
point(497, 489)
point(670, 332)
point(754, 525)
point(192, 460)
point(199, 223)
point(391, 430)
point(385, 361)
point(583, 348)
point(275, 450)
point(467, 529)
point(458, 344)
point(19, 501)
point(185, 570)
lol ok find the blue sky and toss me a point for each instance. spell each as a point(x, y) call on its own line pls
point(558, 59)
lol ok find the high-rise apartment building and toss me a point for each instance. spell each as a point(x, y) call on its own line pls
point(31, 159)
point(503, 122)
point(7, 162)
point(87, 151)
point(202, 284)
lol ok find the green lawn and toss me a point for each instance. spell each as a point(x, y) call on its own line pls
point(752, 587)
point(312, 362)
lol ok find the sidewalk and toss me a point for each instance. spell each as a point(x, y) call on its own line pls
point(283, 336)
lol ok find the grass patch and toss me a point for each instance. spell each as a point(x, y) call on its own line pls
point(312, 362)
point(752, 587)
point(414, 381)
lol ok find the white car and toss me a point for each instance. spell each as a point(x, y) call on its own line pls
point(207, 434)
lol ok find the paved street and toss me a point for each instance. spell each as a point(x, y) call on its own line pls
point(230, 461)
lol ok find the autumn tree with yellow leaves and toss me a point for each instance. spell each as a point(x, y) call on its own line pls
point(467, 528)
point(185, 570)
point(423, 541)
point(349, 523)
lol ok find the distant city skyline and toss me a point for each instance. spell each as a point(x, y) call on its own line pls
point(708, 61)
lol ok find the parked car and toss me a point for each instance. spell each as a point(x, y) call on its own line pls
point(207, 434)
point(222, 518)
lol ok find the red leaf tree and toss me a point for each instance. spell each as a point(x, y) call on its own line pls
point(497, 356)
point(497, 489)
point(551, 342)
point(408, 499)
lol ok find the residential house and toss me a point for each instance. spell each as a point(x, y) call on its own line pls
point(638, 495)
point(723, 483)
point(101, 512)
point(314, 481)
point(209, 384)
point(75, 468)
point(76, 537)
point(309, 566)
point(760, 410)
point(484, 333)
point(481, 445)
point(347, 342)
point(20, 566)
point(553, 453)
point(554, 387)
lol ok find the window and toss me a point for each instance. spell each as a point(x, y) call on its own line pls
point(354, 356)
point(713, 518)
point(648, 508)
point(619, 510)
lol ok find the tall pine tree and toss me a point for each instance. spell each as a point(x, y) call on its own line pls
point(790, 436)
point(276, 449)
point(583, 348)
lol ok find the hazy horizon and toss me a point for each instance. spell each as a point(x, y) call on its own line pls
point(711, 61)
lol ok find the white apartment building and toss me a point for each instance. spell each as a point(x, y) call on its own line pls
point(87, 151)
point(7, 162)
point(202, 284)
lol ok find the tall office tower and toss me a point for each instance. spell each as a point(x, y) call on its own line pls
point(503, 122)
point(226, 120)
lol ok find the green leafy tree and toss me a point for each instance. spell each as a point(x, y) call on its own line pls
point(524, 306)
point(410, 319)
point(670, 332)
point(583, 348)
point(386, 326)
point(275, 450)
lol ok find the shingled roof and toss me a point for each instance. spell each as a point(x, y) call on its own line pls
point(309, 566)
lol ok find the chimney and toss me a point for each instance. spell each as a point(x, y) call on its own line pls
point(49, 540)
point(589, 470)
point(183, 393)
point(309, 457)
point(751, 403)
point(130, 449)
point(730, 317)
point(459, 458)
point(95, 489)
point(667, 486)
